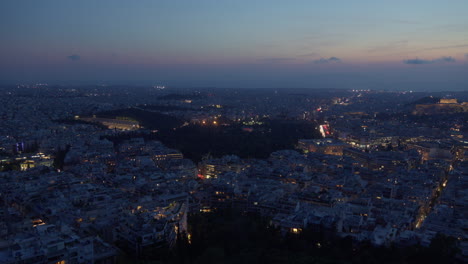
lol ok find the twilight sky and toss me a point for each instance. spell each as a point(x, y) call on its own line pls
point(376, 44)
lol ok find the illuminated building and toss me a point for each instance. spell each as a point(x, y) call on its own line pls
point(323, 146)
point(171, 154)
point(214, 167)
point(448, 101)
point(114, 123)
point(146, 228)
point(325, 130)
point(444, 106)
point(383, 160)
point(431, 150)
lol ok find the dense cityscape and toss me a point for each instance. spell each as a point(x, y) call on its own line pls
point(227, 132)
point(99, 174)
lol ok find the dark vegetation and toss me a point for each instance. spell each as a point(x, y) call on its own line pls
point(10, 166)
point(230, 236)
point(167, 108)
point(59, 159)
point(4, 153)
point(149, 120)
point(425, 100)
point(197, 141)
point(79, 122)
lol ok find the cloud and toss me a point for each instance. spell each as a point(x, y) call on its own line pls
point(445, 59)
point(418, 61)
point(74, 57)
point(329, 60)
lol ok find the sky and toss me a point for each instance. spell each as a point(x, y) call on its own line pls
point(371, 44)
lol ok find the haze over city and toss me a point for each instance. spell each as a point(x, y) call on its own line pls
point(396, 45)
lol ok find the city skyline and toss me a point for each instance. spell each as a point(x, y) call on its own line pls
point(420, 45)
point(235, 131)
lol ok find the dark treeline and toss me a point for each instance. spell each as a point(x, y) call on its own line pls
point(10, 166)
point(59, 159)
point(149, 120)
point(425, 100)
point(168, 108)
point(197, 141)
point(230, 236)
point(79, 122)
